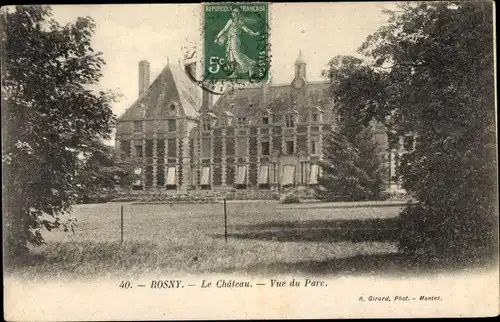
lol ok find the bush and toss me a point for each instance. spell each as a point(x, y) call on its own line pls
point(291, 198)
point(103, 198)
point(434, 235)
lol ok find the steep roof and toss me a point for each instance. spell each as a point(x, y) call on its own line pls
point(171, 88)
point(253, 100)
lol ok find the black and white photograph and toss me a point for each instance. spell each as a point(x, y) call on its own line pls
point(249, 160)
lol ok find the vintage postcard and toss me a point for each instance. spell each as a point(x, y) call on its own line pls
point(249, 160)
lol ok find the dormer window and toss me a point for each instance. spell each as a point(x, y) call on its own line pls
point(242, 121)
point(316, 114)
point(207, 125)
point(289, 120)
point(137, 126)
point(226, 118)
point(267, 117)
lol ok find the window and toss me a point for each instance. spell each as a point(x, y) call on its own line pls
point(313, 174)
point(242, 121)
point(137, 126)
point(206, 124)
point(171, 148)
point(242, 146)
point(149, 148)
point(408, 143)
point(205, 178)
point(172, 125)
point(314, 147)
point(265, 148)
point(338, 118)
point(315, 117)
point(206, 148)
point(289, 121)
point(265, 120)
point(138, 151)
point(223, 121)
point(289, 147)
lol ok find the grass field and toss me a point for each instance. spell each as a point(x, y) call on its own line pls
point(263, 238)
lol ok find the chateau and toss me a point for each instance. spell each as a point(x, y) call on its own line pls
point(266, 137)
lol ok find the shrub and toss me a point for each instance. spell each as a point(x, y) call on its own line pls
point(424, 232)
point(291, 198)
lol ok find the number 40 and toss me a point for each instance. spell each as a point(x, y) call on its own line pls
point(125, 284)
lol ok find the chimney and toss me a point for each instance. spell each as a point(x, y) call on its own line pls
point(208, 99)
point(265, 91)
point(143, 76)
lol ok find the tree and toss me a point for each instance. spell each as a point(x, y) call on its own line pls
point(438, 59)
point(353, 169)
point(50, 110)
point(103, 171)
point(342, 178)
point(371, 161)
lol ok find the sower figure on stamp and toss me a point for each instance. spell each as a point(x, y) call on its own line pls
point(230, 36)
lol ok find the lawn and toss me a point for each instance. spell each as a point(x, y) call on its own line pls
point(263, 238)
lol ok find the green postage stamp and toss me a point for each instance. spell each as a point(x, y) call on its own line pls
point(236, 42)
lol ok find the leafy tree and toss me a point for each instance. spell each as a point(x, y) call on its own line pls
point(359, 92)
point(103, 171)
point(353, 169)
point(50, 110)
point(438, 60)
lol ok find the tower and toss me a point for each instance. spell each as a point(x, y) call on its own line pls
point(300, 67)
point(299, 82)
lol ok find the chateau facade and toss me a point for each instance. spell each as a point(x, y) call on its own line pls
point(266, 137)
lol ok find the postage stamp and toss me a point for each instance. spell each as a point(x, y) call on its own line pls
point(236, 42)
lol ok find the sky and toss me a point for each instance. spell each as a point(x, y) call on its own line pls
point(160, 33)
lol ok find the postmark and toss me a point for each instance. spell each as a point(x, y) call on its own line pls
point(236, 43)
